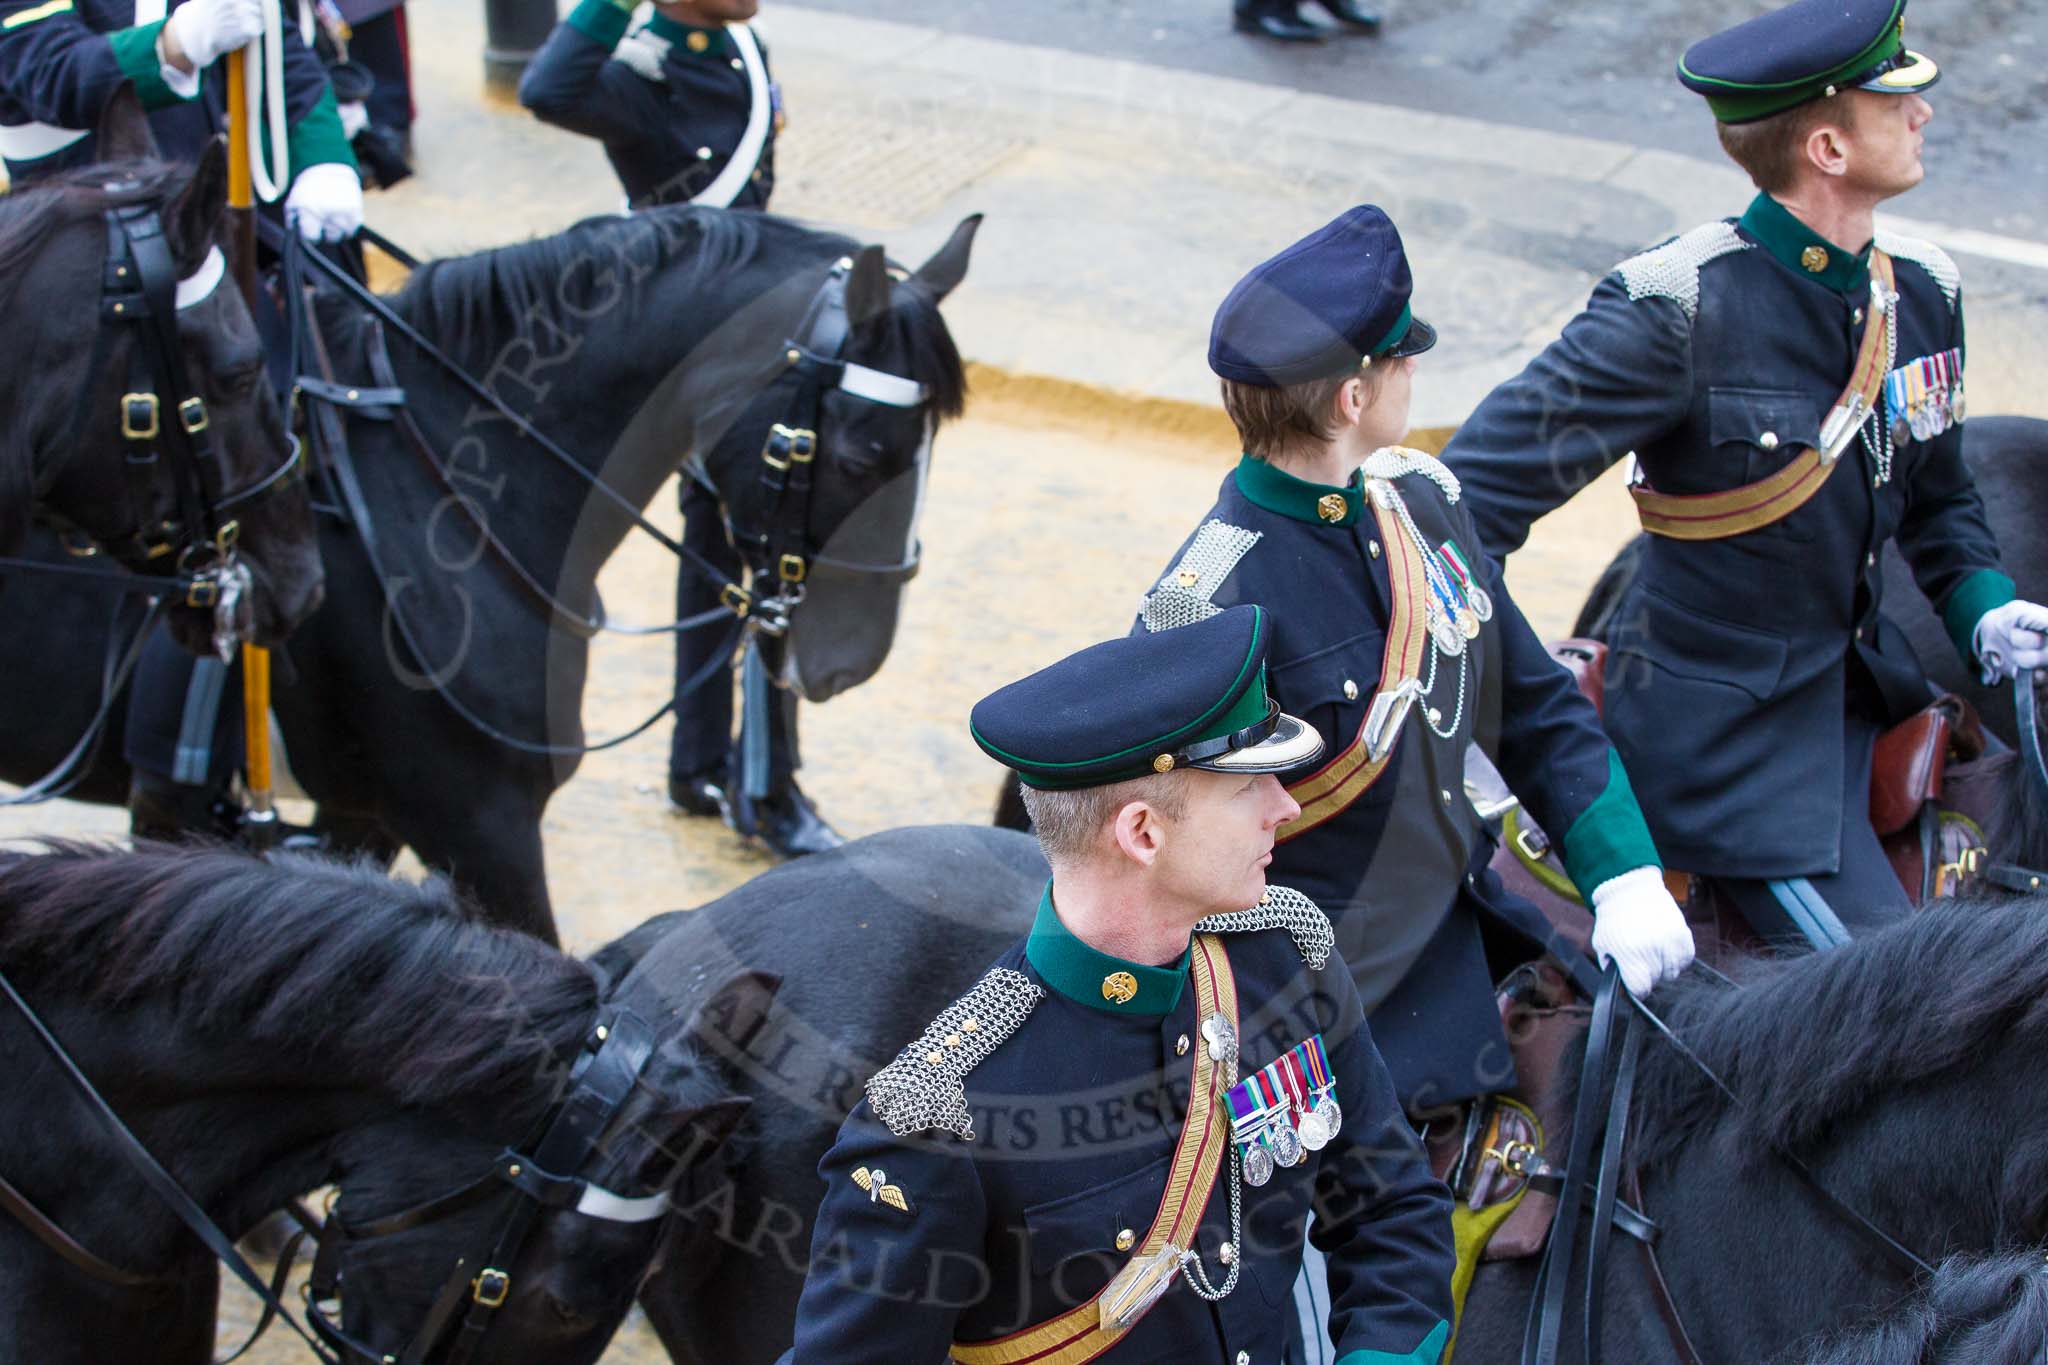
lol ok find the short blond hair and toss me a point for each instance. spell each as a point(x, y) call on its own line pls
point(1070, 823)
point(1772, 149)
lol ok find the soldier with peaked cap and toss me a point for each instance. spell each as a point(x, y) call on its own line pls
point(1791, 385)
point(1196, 1022)
point(1396, 639)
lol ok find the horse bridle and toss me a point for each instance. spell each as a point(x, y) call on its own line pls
point(139, 289)
point(780, 552)
point(477, 1285)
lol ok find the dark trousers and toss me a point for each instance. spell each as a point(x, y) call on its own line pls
point(704, 742)
point(1827, 910)
point(184, 716)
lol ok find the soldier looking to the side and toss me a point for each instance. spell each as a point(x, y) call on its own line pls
point(1165, 982)
point(1791, 385)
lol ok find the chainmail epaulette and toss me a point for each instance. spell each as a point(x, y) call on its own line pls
point(922, 1089)
point(1282, 908)
point(1182, 597)
point(1395, 462)
point(1672, 271)
point(1938, 264)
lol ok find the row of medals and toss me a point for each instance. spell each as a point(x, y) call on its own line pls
point(1284, 1133)
point(1457, 608)
point(1925, 397)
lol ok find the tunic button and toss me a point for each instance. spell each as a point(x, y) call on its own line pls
point(1446, 796)
point(1350, 690)
point(1180, 1046)
point(1769, 440)
point(1856, 316)
point(703, 153)
point(1126, 1239)
point(1870, 561)
point(738, 65)
point(1226, 1253)
point(1373, 548)
point(1244, 1358)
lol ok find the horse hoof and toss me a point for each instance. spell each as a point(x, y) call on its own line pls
point(791, 827)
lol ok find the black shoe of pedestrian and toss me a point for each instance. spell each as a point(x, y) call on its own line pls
point(1287, 27)
point(703, 794)
point(1352, 15)
point(791, 827)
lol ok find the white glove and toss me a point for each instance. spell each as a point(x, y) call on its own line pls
point(354, 118)
point(1638, 927)
point(325, 203)
point(203, 31)
point(2010, 638)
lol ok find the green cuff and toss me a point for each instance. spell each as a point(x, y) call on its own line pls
point(601, 21)
point(1428, 1353)
point(1609, 837)
point(135, 51)
point(317, 138)
point(1975, 595)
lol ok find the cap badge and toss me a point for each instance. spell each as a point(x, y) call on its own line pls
point(1330, 507)
point(1163, 763)
point(1814, 258)
point(1120, 987)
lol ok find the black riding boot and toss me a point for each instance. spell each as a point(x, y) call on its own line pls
point(1352, 15)
point(1275, 19)
point(790, 825)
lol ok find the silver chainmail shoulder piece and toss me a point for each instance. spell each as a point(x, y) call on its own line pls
point(644, 52)
point(922, 1088)
point(1182, 597)
point(1394, 462)
point(1937, 263)
point(1282, 908)
point(1672, 271)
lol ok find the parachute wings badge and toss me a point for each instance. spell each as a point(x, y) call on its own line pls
point(879, 1191)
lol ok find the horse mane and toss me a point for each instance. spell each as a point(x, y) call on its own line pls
point(337, 962)
point(470, 303)
point(2018, 828)
point(1977, 1310)
point(1810, 1040)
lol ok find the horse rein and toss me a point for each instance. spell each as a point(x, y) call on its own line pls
point(1615, 1007)
point(607, 1069)
point(605, 1074)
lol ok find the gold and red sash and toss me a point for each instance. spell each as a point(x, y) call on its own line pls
point(1335, 785)
point(1714, 516)
point(1080, 1334)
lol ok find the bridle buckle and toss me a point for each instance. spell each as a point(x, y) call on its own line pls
point(192, 415)
point(788, 445)
point(140, 416)
point(735, 599)
point(792, 569)
point(491, 1287)
point(204, 593)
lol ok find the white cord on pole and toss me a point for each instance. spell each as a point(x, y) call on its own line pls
point(263, 79)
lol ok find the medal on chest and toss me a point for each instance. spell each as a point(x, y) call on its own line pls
point(1284, 1111)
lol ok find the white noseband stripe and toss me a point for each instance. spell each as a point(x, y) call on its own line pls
point(195, 288)
point(616, 1208)
point(878, 386)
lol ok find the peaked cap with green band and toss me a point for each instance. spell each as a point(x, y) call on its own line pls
point(1149, 703)
point(1811, 49)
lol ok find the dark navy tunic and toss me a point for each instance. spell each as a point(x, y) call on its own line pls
point(1401, 865)
point(667, 134)
point(1075, 1119)
point(61, 62)
point(1715, 358)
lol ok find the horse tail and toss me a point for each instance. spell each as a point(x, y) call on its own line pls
point(1608, 590)
point(1977, 1310)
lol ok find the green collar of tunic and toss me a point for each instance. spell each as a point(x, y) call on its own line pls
point(1080, 972)
point(1785, 237)
point(708, 42)
point(1274, 489)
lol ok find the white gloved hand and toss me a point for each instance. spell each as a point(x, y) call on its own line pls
point(1640, 929)
point(325, 203)
point(2010, 638)
point(354, 118)
point(203, 31)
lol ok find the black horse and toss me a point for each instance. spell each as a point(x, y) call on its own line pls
point(267, 1027)
point(2008, 458)
point(1977, 1310)
point(1898, 1068)
point(90, 432)
point(435, 701)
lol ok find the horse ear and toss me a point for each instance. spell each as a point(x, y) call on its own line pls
point(948, 265)
point(867, 287)
point(193, 216)
point(124, 133)
point(736, 1011)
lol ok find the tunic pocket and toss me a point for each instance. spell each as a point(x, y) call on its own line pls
point(1691, 644)
point(1756, 432)
point(1074, 1239)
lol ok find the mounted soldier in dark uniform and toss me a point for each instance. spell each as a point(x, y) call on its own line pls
point(687, 113)
point(1791, 385)
point(61, 63)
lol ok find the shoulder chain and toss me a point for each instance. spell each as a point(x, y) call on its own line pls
point(1672, 271)
point(1183, 596)
point(1939, 265)
point(923, 1088)
point(1282, 907)
point(1394, 462)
